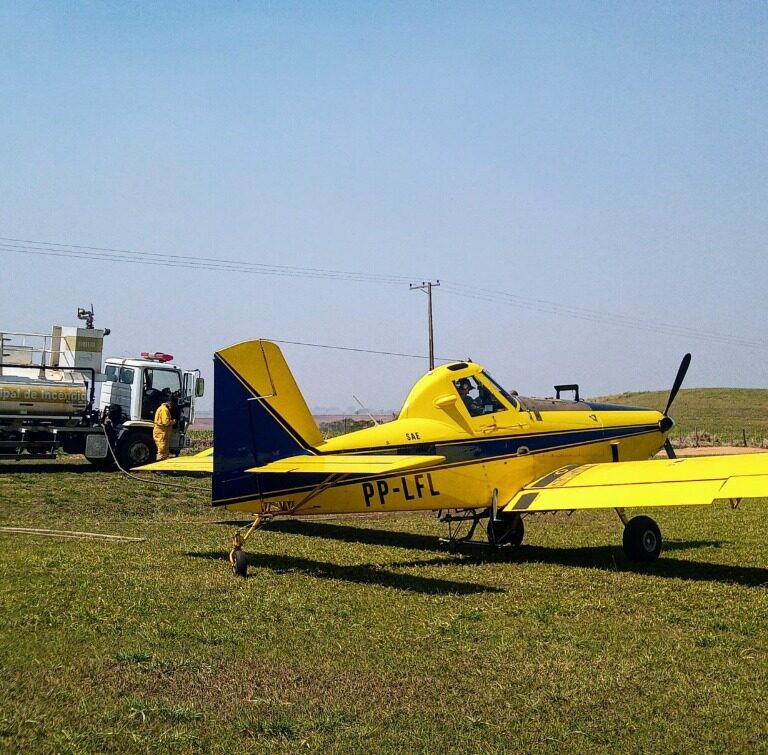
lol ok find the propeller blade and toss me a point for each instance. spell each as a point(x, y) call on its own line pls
point(678, 381)
point(670, 451)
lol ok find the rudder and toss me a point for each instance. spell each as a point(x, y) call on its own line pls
point(259, 416)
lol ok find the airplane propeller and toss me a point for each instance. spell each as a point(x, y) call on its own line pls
point(682, 370)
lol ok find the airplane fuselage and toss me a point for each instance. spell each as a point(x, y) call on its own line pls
point(461, 441)
point(502, 451)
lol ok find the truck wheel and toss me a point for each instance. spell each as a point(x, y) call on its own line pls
point(136, 448)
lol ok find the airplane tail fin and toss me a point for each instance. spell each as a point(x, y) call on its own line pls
point(260, 416)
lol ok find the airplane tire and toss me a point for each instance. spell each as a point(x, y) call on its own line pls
point(642, 539)
point(508, 530)
point(240, 564)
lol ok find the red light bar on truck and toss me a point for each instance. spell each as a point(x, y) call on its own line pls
point(158, 356)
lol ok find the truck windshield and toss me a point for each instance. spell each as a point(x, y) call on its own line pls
point(161, 379)
point(159, 384)
point(115, 374)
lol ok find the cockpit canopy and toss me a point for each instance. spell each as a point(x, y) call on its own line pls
point(477, 392)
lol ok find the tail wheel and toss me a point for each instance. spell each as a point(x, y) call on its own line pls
point(507, 530)
point(642, 539)
point(240, 563)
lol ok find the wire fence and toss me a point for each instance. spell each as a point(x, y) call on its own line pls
point(697, 437)
point(749, 437)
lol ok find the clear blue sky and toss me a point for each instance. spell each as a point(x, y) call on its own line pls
point(608, 156)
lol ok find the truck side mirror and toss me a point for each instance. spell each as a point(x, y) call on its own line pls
point(199, 387)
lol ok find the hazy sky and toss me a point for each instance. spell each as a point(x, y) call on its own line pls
point(611, 157)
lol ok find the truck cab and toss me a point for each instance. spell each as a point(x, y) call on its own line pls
point(131, 391)
point(48, 397)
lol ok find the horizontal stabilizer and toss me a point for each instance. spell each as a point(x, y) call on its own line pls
point(201, 463)
point(348, 464)
point(656, 482)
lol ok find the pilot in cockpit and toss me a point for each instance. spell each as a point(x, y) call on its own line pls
point(477, 398)
point(463, 386)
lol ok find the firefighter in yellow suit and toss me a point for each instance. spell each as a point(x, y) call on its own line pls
point(164, 423)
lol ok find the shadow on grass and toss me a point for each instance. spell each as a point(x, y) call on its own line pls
point(698, 571)
point(52, 467)
point(611, 558)
point(409, 540)
point(589, 557)
point(349, 534)
point(359, 574)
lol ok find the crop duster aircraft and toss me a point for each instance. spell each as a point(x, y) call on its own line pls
point(462, 445)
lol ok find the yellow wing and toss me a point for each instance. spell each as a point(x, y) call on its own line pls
point(321, 464)
point(201, 463)
point(662, 482)
point(349, 464)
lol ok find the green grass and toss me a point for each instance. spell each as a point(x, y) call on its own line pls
point(363, 635)
point(722, 414)
point(199, 440)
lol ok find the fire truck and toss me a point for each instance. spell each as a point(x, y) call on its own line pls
point(50, 399)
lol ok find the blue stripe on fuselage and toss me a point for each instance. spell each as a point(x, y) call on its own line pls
point(457, 453)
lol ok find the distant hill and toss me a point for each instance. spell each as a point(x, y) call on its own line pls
point(720, 415)
point(726, 413)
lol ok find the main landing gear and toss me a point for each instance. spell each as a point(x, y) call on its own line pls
point(503, 528)
point(506, 529)
point(642, 538)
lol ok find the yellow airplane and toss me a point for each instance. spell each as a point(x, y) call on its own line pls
point(461, 445)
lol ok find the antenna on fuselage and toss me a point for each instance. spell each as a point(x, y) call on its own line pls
point(360, 403)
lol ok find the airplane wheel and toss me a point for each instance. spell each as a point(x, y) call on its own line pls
point(642, 539)
point(240, 564)
point(508, 530)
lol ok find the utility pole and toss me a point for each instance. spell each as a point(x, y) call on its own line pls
point(428, 286)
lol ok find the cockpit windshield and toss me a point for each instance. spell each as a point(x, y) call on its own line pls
point(476, 397)
point(508, 396)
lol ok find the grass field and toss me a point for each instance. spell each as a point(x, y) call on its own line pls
point(725, 414)
point(364, 634)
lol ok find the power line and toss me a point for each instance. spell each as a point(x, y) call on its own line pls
point(73, 251)
point(91, 253)
point(362, 351)
point(611, 318)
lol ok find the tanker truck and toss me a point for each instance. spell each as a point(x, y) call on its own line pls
point(49, 401)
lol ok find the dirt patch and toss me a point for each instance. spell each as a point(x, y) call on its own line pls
point(713, 451)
